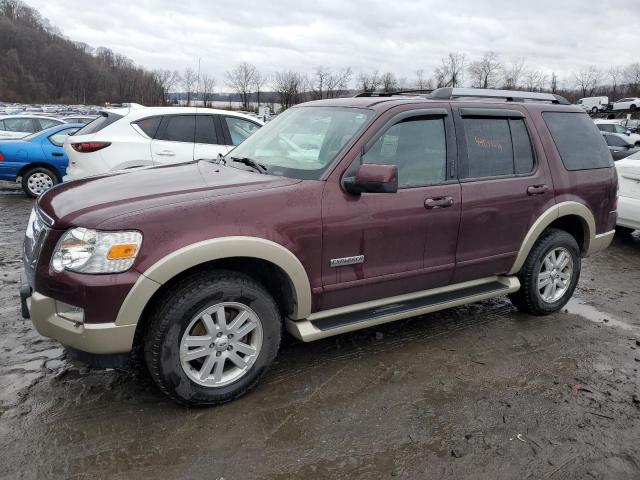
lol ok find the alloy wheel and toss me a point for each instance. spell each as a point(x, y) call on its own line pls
point(554, 277)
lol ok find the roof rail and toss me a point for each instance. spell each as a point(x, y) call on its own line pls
point(447, 93)
point(390, 94)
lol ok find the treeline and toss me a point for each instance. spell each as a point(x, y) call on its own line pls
point(38, 65)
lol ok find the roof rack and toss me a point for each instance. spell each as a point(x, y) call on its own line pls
point(447, 93)
point(390, 94)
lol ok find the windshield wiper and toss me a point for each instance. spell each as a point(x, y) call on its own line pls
point(250, 163)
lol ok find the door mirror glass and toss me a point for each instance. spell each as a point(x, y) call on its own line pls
point(373, 178)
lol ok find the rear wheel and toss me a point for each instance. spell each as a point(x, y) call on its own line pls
point(38, 180)
point(212, 338)
point(633, 108)
point(549, 275)
point(594, 110)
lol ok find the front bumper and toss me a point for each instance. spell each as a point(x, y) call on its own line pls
point(98, 338)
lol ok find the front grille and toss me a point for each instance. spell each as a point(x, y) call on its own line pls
point(33, 240)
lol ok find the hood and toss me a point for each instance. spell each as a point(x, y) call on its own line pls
point(91, 201)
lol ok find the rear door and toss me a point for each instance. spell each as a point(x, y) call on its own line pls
point(505, 184)
point(173, 142)
point(209, 138)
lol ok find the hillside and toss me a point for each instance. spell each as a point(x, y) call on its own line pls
point(38, 65)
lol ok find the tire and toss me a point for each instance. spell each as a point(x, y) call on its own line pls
point(624, 230)
point(633, 108)
point(38, 180)
point(594, 110)
point(168, 355)
point(529, 298)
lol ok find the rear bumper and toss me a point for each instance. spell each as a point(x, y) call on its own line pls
point(99, 338)
point(628, 212)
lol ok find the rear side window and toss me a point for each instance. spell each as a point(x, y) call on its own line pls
point(177, 128)
point(104, 119)
point(206, 130)
point(19, 125)
point(149, 125)
point(578, 140)
point(605, 127)
point(47, 123)
point(496, 147)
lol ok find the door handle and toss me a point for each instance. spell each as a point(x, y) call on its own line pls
point(537, 189)
point(57, 154)
point(438, 202)
point(166, 153)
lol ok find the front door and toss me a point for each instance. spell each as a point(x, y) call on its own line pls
point(173, 142)
point(402, 242)
point(505, 184)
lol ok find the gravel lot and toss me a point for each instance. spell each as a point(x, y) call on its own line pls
point(475, 392)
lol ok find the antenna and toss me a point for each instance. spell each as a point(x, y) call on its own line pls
point(198, 92)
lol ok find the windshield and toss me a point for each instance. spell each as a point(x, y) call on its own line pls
point(303, 141)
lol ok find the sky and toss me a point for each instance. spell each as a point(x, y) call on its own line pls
point(400, 36)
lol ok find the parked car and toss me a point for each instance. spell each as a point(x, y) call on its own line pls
point(630, 103)
point(593, 104)
point(18, 126)
point(629, 194)
point(619, 145)
point(614, 126)
point(37, 159)
point(632, 125)
point(141, 137)
point(338, 215)
point(83, 119)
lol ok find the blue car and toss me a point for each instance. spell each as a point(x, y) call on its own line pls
point(38, 158)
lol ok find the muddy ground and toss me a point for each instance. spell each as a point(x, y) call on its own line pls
point(475, 392)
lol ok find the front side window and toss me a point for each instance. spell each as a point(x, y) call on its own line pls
point(58, 138)
point(615, 141)
point(19, 125)
point(177, 128)
point(496, 147)
point(240, 129)
point(302, 142)
point(417, 147)
point(620, 129)
point(578, 140)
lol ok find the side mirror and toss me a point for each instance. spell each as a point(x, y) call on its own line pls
point(373, 178)
point(628, 132)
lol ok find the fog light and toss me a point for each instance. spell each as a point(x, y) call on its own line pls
point(70, 312)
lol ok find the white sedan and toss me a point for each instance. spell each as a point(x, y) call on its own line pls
point(629, 193)
point(631, 103)
point(17, 126)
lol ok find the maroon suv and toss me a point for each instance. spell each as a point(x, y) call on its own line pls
point(338, 215)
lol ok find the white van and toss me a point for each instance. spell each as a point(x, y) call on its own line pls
point(593, 104)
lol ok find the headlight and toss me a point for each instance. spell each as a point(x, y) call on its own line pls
point(93, 251)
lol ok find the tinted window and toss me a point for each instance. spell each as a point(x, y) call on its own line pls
point(522, 149)
point(578, 140)
point(105, 119)
point(615, 141)
point(149, 125)
point(19, 125)
point(206, 130)
point(59, 138)
point(240, 129)
point(605, 127)
point(47, 123)
point(417, 147)
point(178, 128)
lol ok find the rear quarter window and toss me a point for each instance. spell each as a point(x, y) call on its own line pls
point(104, 120)
point(149, 125)
point(578, 140)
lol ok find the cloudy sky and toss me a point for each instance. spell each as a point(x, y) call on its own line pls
point(394, 35)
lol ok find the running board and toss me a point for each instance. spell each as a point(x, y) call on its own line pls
point(362, 315)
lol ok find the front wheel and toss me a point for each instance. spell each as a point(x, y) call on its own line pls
point(211, 339)
point(594, 110)
point(38, 180)
point(549, 275)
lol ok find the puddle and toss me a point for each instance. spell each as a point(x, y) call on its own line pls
point(576, 306)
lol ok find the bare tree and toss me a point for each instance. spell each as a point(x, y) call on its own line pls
point(327, 83)
point(422, 83)
point(389, 82)
point(616, 75)
point(485, 72)
point(632, 77)
point(319, 84)
point(338, 82)
point(513, 73)
point(369, 82)
point(290, 87)
point(451, 72)
point(259, 81)
point(189, 80)
point(554, 83)
point(588, 79)
point(167, 79)
point(207, 85)
point(241, 79)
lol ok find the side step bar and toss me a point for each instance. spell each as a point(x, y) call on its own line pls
point(354, 317)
